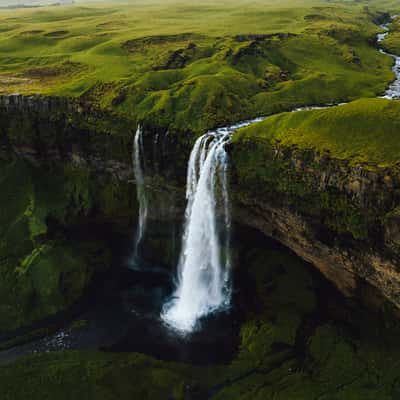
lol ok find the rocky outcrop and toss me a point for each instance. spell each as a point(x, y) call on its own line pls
point(50, 131)
point(45, 130)
point(341, 218)
point(38, 104)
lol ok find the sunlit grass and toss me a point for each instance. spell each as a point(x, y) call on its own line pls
point(364, 131)
point(191, 66)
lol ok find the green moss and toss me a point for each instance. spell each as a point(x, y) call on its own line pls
point(363, 132)
point(283, 289)
point(43, 272)
point(96, 375)
point(79, 325)
point(334, 362)
point(116, 198)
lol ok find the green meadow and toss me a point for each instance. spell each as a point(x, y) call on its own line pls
point(196, 66)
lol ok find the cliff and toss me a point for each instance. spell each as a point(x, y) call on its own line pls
point(339, 212)
point(67, 168)
point(334, 203)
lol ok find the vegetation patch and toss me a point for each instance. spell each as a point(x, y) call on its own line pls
point(33, 32)
point(42, 271)
point(392, 41)
point(140, 44)
point(63, 70)
point(293, 346)
point(315, 162)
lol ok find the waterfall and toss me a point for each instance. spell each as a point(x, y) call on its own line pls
point(140, 189)
point(204, 270)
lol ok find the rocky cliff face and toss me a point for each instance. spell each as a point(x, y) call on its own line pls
point(66, 168)
point(46, 130)
point(341, 218)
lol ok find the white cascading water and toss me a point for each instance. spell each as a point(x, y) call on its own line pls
point(140, 188)
point(204, 283)
point(393, 92)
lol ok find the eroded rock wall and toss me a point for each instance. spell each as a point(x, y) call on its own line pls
point(66, 170)
point(342, 218)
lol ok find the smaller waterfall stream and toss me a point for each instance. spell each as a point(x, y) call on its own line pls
point(140, 189)
point(204, 281)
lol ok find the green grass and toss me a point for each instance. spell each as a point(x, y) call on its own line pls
point(192, 67)
point(365, 131)
point(42, 272)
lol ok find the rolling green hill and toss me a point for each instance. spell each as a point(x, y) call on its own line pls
point(192, 67)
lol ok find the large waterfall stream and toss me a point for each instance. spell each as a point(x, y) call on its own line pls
point(204, 281)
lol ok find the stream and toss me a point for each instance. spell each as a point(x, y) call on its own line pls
point(393, 92)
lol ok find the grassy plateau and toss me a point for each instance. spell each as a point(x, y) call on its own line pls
point(364, 131)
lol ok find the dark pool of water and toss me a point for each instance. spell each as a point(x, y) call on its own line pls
point(123, 314)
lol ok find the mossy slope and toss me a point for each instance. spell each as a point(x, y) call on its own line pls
point(44, 269)
point(363, 132)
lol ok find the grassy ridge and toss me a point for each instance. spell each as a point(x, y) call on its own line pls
point(192, 67)
point(365, 131)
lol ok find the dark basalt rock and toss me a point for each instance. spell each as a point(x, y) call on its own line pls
point(39, 104)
